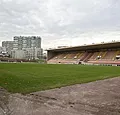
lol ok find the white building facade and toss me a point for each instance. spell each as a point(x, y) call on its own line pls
point(8, 45)
point(21, 42)
point(27, 47)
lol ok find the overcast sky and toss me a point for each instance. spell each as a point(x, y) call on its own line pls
point(61, 22)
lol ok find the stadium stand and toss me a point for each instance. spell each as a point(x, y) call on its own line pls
point(106, 53)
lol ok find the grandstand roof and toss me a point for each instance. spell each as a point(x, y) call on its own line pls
point(89, 47)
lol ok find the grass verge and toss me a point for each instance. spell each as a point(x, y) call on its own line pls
point(26, 78)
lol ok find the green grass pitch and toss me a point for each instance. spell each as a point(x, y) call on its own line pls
point(26, 78)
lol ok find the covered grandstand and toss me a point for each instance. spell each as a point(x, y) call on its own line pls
point(105, 53)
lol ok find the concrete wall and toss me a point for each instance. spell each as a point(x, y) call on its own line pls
point(18, 54)
point(28, 53)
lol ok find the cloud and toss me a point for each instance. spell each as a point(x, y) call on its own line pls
point(61, 22)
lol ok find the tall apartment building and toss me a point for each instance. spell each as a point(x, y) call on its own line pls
point(3, 52)
point(8, 45)
point(22, 42)
point(27, 47)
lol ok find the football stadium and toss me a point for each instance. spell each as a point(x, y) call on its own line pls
point(104, 53)
point(59, 57)
point(74, 82)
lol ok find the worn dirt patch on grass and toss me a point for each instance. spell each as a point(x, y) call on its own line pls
point(95, 98)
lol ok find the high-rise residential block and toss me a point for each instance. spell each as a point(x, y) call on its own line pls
point(8, 45)
point(22, 42)
point(27, 47)
point(24, 47)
